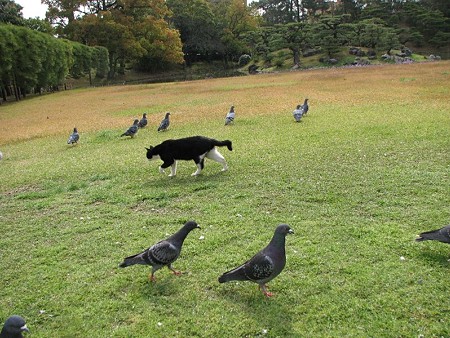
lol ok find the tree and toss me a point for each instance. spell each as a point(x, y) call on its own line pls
point(315, 8)
point(8, 47)
point(260, 41)
point(63, 13)
point(39, 25)
point(295, 36)
point(104, 31)
point(198, 28)
point(133, 31)
point(233, 19)
point(331, 33)
point(374, 34)
point(35, 60)
point(10, 12)
point(281, 11)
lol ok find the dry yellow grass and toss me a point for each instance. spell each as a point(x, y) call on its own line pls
point(115, 107)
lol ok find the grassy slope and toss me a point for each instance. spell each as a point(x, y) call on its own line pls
point(356, 180)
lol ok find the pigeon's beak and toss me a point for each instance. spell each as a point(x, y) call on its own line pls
point(198, 226)
point(291, 231)
point(24, 328)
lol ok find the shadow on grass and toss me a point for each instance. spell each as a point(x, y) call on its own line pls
point(166, 285)
point(272, 313)
point(436, 258)
point(184, 178)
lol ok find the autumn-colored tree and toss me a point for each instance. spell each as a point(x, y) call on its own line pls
point(134, 31)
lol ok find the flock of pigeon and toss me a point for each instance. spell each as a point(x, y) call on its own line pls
point(260, 269)
point(300, 111)
point(131, 131)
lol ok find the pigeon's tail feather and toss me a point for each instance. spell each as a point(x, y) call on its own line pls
point(429, 235)
point(224, 143)
point(132, 260)
point(235, 274)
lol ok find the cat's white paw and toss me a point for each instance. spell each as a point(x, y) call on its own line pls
point(161, 170)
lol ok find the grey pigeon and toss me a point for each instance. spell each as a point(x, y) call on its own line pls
point(298, 113)
point(265, 265)
point(440, 235)
point(132, 131)
point(164, 123)
point(13, 328)
point(230, 116)
point(305, 107)
point(143, 122)
point(163, 253)
point(74, 137)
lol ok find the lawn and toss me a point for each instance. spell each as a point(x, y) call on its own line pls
point(364, 172)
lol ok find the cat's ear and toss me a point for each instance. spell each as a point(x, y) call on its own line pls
point(151, 147)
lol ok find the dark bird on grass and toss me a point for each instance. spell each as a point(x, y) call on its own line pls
point(74, 137)
point(305, 107)
point(265, 265)
point(13, 328)
point(132, 131)
point(163, 253)
point(298, 113)
point(143, 122)
point(230, 116)
point(440, 235)
point(164, 123)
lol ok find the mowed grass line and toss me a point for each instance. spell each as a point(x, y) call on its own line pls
point(364, 172)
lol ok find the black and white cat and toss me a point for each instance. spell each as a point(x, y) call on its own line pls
point(194, 148)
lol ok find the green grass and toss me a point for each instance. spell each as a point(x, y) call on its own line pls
point(357, 179)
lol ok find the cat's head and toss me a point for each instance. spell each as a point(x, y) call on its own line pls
point(151, 153)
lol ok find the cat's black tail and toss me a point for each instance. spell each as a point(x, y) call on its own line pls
point(224, 143)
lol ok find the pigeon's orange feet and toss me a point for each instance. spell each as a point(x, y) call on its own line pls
point(264, 290)
point(268, 294)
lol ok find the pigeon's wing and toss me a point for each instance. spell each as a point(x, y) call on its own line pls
point(73, 138)
point(259, 267)
point(142, 123)
point(163, 253)
point(164, 124)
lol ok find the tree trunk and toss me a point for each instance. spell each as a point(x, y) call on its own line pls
point(296, 52)
point(4, 94)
